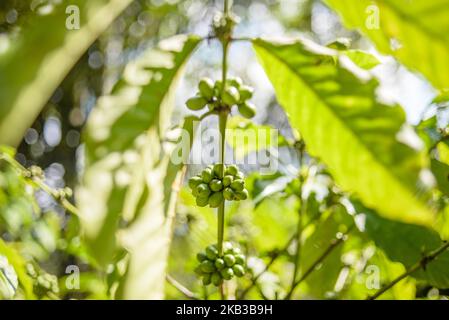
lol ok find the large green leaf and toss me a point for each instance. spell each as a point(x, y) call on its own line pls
point(342, 124)
point(39, 59)
point(416, 32)
point(408, 244)
point(129, 186)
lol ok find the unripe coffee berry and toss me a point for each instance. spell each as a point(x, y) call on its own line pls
point(231, 96)
point(216, 185)
point(229, 260)
point(207, 266)
point(219, 264)
point(227, 273)
point(239, 270)
point(206, 88)
point(247, 109)
point(215, 199)
point(196, 103)
point(211, 252)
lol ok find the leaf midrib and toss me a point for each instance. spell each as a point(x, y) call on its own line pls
point(353, 134)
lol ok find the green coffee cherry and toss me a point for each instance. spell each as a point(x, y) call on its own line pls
point(227, 273)
point(218, 170)
point(207, 266)
point(195, 181)
point(199, 271)
point(228, 194)
point(206, 87)
point(227, 180)
point(239, 259)
point(230, 96)
point(247, 109)
point(216, 279)
point(219, 264)
point(217, 87)
point(239, 270)
point(203, 190)
point(202, 201)
point(196, 103)
point(207, 279)
point(211, 252)
point(206, 175)
point(237, 185)
point(216, 185)
point(242, 195)
point(235, 82)
point(201, 256)
point(229, 259)
point(215, 199)
point(246, 93)
point(232, 170)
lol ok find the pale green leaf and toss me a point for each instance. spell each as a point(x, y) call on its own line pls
point(429, 132)
point(45, 51)
point(443, 152)
point(129, 187)
point(8, 279)
point(345, 127)
point(415, 32)
point(362, 59)
point(19, 265)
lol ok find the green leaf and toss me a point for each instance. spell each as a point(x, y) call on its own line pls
point(441, 172)
point(428, 132)
point(442, 97)
point(443, 152)
point(130, 180)
point(415, 32)
point(37, 62)
point(345, 127)
point(408, 244)
point(19, 265)
point(362, 59)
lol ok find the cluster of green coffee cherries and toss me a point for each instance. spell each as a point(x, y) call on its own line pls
point(213, 96)
point(217, 183)
point(215, 268)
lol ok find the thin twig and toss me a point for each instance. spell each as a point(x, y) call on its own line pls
point(222, 121)
point(420, 264)
point(334, 244)
point(186, 292)
point(301, 214)
point(55, 194)
point(267, 266)
point(241, 39)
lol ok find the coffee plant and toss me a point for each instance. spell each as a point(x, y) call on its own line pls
point(152, 163)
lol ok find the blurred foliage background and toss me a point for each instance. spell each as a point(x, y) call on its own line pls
point(49, 239)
